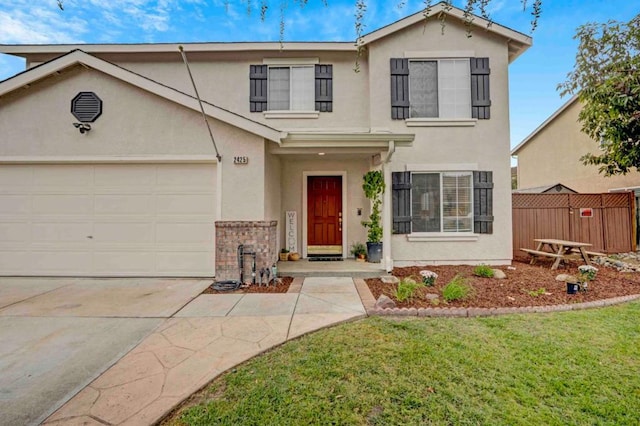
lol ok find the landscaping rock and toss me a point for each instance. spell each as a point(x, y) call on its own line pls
point(384, 302)
point(623, 262)
point(566, 278)
point(389, 279)
point(431, 296)
point(499, 274)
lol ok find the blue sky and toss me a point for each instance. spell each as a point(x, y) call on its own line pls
point(533, 77)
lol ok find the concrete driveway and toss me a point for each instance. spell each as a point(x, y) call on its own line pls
point(59, 334)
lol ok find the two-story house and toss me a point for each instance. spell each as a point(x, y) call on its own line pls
point(107, 167)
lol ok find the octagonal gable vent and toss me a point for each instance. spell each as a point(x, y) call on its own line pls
point(86, 107)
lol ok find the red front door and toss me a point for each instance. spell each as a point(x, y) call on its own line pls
point(324, 210)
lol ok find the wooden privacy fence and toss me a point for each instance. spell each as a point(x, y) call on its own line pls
point(607, 220)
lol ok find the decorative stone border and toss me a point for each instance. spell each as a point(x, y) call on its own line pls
point(369, 304)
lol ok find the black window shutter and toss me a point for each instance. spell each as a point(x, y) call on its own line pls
point(480, 98)
point(401, 204)
point(399, 88)
point(483, 202)
point(258, 75)
point(324, 88)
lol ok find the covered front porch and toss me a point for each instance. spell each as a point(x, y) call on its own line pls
point(322, 201)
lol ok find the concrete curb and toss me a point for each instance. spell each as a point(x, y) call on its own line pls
point(369, 303)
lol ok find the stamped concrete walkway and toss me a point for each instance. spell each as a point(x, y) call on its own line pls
point(208, 336)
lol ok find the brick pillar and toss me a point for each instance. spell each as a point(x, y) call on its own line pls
point(258, 236)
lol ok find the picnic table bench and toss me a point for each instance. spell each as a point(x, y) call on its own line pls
point(561, 251)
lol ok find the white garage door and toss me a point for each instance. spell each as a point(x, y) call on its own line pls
point(107, 219)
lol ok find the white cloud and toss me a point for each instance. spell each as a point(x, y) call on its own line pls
point(35, 27)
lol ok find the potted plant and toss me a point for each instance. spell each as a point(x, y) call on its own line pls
point(284, 254)
point(373, 187)
point(359, 251)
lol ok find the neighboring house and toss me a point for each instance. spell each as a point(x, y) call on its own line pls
point(551, 154)
point(140, 192)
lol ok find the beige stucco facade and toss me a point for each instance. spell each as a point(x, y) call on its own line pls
point(475, 145)
point(149, 117)
point(552, 155)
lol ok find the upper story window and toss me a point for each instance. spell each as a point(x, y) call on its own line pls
point(440, 89)
point(291, 88)
point(294, 88)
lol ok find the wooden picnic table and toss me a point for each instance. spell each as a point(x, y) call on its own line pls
point(560, 250)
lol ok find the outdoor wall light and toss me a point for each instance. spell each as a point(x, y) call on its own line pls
point(83, 127)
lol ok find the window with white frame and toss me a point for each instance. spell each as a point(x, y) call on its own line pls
point(440, 88)
point(442, 202)
point(291, 88)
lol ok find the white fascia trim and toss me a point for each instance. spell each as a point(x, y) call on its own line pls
point(291, 61)
point(544, 124)
point(380, 139)
point(441, 122)
point(445, 167)
point(442, 237)
point(314, 150)
point(290, 114)
point(31, 49)
point(167, 159)
point(78, 57)
point(427, 54)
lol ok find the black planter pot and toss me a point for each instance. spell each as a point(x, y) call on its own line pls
point(572, 288)
point(374, 252)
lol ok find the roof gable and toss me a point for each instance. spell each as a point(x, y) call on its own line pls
point(78, 57)
point(517, 41)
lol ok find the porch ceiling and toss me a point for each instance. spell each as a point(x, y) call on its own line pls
point(353, 144)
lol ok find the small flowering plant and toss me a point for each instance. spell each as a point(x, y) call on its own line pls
point(587, 272)
point(428, 277)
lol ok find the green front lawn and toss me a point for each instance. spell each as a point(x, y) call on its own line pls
point(578, 367)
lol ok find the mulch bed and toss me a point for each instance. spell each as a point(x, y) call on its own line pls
point(282, 287)
point(514, 291)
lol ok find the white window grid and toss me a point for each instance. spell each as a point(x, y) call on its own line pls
point(454, 87)
point(301, 87)
point(456, 218)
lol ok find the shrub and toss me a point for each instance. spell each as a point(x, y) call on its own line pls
point(484, 271)
point(587, 272)
point(428, 277)
point(407, 288)
point(536, 293)
point(456, 289)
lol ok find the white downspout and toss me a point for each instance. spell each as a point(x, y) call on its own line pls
point(218, 212)
point(386, 209)
point(219, 190)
